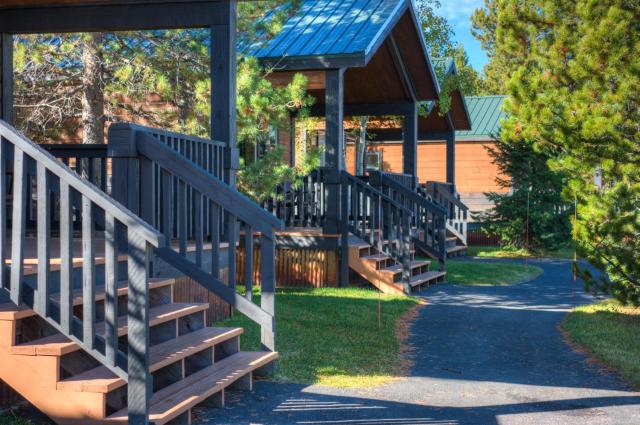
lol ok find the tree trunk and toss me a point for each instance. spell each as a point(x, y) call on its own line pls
point(93, 118)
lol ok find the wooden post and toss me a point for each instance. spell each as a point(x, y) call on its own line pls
point(410, 140)
point(334, 162)
point(139, 389)
point(223, 88)
point(6, 77)
point(268, 286)
point(451, 157)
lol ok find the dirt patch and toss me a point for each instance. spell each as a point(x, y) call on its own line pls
point(403, 326)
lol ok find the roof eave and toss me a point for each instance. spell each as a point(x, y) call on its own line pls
point(306, 63)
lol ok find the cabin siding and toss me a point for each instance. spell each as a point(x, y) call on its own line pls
point(475, 171)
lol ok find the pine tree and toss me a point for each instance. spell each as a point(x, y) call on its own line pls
point(532, 215)
point(575, 96)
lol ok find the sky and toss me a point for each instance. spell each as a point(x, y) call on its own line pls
point(458, 13)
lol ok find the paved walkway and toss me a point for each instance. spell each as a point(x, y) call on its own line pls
point(483, 355)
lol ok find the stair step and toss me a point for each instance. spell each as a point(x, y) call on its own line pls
point(59, 345)
point(398, 267)
point(377, 257)
point(423, 278)
point(102, 380)
point(170, 402)
point(9, 311)
point(456, 249)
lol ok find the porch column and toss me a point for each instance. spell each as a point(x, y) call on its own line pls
point(223, 87)
point(451, 157)
point(6, 77)
point(292, 142)
point(410, 140)
point(334, 164)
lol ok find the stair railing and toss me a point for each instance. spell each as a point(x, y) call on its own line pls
point(377, 219)
point(302, 204)
point(429, 218)
point(165, 178)
point(407, 180)
point(124, 234)
point(445, 195)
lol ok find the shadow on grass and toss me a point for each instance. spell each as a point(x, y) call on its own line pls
point(331, 336)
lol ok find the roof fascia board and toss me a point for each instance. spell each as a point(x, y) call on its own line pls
point(112, 17)
point(306, 63)
point(391, 23)
point(416, 22)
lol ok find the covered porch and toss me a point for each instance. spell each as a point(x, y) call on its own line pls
point(361, 61)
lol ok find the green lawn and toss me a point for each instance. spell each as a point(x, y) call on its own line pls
point(330, 336)
point(463, 272)
point(500, 252)
point(609, 331)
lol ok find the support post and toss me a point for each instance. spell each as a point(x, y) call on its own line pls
point(6, 77)
point(410, 140)
point(451, 158)
point(223, 88)
point(292, 142)
point(334, 163)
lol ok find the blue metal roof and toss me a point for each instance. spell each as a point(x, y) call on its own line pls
point(486, 114)
point(331, 28)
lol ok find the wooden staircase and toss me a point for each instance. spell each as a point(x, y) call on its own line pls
point(385, 273)
point(190, 362)
point(91, 334)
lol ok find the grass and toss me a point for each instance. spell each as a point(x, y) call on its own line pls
point(477, 273)
point(330, 336)
point(503, 252)
point(610, 332)
point(12, 419)
point(489, 274)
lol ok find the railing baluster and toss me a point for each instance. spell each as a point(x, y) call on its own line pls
point(198, 227)
point(88, 274)
point(66, 257)
point(3, 213)
point(44, 241)
point(111, 289)
point(182, 217)
point(167, 205)
point(232, 237)
point(248, 261)
point(18, 224)
point(215, 240)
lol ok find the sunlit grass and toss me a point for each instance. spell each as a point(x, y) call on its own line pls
point(610, 331)
point(330, 336)
point(504, 252)
point(478, 273)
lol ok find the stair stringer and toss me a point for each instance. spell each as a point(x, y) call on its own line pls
point(367, 270)
point(35, 378)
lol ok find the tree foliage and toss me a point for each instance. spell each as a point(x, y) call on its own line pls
point(438, 34)
point(574, 94)
point(533, 214)
point(73, 83)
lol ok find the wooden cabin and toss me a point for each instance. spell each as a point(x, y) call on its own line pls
point(94, 239)
point(366, 60)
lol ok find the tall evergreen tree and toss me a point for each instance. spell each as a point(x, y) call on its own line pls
point(575, 96)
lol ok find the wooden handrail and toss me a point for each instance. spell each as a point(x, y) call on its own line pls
point(234, 202)
point(85, 188)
